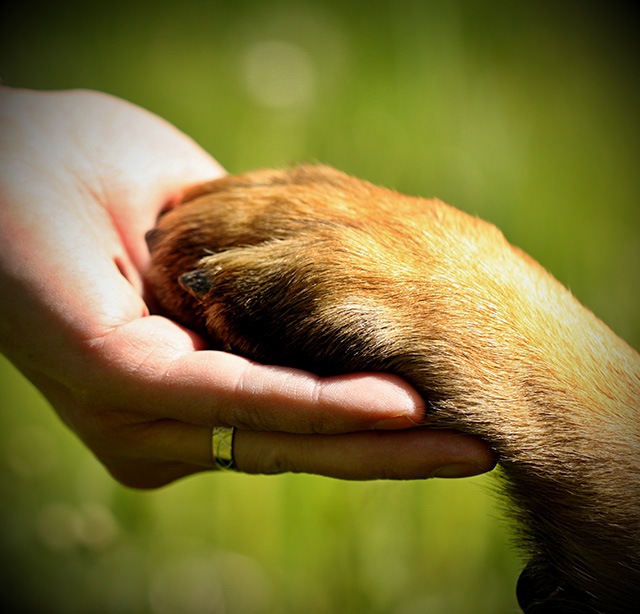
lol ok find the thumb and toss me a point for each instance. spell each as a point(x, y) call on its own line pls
point(145, 164)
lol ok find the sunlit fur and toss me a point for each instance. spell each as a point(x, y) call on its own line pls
point(312, 268)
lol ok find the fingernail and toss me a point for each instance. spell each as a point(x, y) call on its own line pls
point(395, 423)
point(457, 470)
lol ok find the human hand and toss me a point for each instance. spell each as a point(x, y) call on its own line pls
point(82, 177)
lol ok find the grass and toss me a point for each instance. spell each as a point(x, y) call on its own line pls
point(523, 115)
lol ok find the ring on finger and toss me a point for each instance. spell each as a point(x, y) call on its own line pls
point(222, 438)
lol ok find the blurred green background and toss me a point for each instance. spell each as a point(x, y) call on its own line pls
point(523, 113)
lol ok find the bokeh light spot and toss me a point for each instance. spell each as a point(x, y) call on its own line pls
point(279, 74)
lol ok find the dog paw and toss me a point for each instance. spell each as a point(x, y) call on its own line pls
point(315, 269)
point(277, 265)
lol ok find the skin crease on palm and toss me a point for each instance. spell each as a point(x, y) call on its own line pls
point(83, 176)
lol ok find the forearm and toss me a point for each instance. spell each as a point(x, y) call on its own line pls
point(570, 451)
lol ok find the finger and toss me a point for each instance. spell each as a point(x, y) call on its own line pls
point(175, 442)
point(412, 454)
point(155, 165)
point(233, 391)
point(169, 378)
point(138, 453)
point(149, 455)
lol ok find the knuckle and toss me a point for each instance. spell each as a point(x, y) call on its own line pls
point(247, 417)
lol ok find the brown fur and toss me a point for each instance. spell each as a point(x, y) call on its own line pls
point(312, 268)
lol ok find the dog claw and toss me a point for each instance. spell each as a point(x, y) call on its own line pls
point(197, 283)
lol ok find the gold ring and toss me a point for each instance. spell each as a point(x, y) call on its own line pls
point(222, 447)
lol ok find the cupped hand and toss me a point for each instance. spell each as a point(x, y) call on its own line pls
point(83, 176)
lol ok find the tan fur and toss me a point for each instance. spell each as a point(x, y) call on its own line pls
point(312, 268)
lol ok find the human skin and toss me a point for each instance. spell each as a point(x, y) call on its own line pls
point(83, 176)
